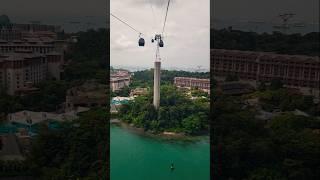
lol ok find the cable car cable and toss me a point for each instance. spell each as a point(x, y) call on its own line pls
point(153, 13)
point(165, 19)
point(126, 24)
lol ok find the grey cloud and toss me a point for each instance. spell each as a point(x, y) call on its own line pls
point(154, 3)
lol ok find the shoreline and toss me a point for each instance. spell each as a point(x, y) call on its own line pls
point(166, 135)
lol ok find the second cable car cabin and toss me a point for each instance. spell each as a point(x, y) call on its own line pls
point(158, 38)
point(161, 43)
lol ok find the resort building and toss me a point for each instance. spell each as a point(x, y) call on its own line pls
point(29, 54)
point(10, 34)
point(188, 82)
point(295, 71)
point(35, 27)
point(13, 32)
point(21, 70)
point(119, 80)
point(35, 44)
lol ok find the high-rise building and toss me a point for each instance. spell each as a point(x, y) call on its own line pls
point(119, 80)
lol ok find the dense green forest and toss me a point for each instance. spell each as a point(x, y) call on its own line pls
point(307, 44)
point(177, 112)
point(88, 57)
point(285, 147)
point(78, 150)
point(4, 20)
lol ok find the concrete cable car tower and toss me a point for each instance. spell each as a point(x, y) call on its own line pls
point(157, 64)
point(157, 73)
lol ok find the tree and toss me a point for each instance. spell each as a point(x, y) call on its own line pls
point(231, 78)
point(73, 151)
point(262, 86)
point(276, 84)
point(306, 44)
point(4, 20)
point(192, 124)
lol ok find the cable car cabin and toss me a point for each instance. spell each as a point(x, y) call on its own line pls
point(141, 42)
point(161, 43)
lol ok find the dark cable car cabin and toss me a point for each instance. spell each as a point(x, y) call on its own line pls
point(141, 42)
point(161, 43)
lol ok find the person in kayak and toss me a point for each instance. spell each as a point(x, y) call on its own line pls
point(172, 167)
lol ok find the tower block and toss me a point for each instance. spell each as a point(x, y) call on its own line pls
point(156, 85)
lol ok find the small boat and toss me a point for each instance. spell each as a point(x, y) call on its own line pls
point(172, 167)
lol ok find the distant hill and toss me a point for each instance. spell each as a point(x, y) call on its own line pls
point(298, 44)
point(4, 20)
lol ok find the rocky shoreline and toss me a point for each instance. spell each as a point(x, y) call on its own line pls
point(166, 135)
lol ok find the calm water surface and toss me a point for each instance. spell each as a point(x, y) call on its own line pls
point(136, 157)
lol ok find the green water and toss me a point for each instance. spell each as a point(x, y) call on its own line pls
point(136, 157)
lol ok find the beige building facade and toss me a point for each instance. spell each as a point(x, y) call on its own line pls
point(295, 71)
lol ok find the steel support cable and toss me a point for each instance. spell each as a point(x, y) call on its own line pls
point(165, 19)
point(153, 13)
point(126, 24)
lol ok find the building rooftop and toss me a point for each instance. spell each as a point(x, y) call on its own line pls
point(23, 55)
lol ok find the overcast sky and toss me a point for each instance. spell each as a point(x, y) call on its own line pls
point(53, 8)
point(186, 42)
point(59, 12)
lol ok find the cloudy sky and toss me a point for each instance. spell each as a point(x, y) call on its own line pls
point(59, 12)
point(186, 33)
point(306, 10)
point(53, 8)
